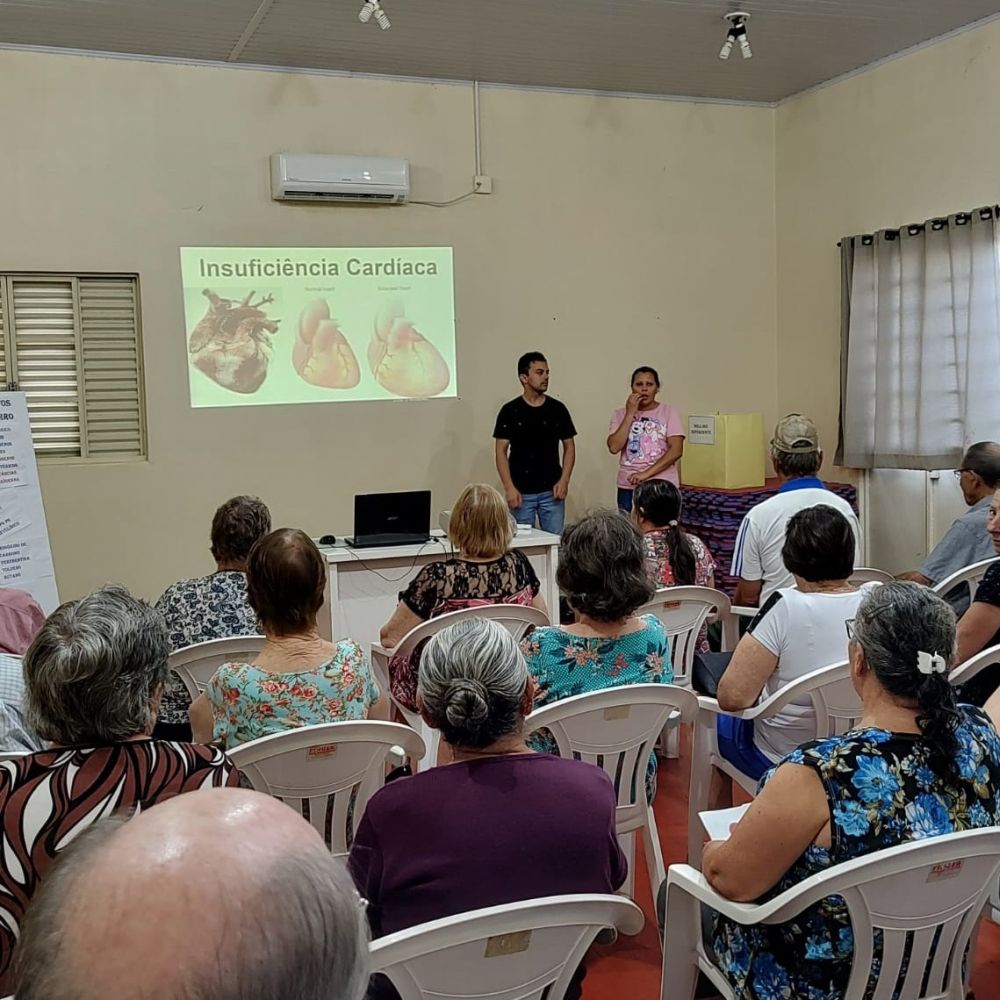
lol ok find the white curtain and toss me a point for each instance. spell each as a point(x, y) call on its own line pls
point(921, 374)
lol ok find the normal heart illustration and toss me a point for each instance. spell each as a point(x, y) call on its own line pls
point(321, 354)
point(402, 359)
point(230, 343)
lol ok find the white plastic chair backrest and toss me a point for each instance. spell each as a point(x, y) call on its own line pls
point(519, 951)
point(836, 704)
point(983, 659)
point(925, 897)
point(972, 575)
point(318, 770)
point(865, 574)
point(516, 618)
point(196, 664)
point(683, 611)
point(615, 729)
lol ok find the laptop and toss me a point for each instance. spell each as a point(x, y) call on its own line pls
point(391, 519)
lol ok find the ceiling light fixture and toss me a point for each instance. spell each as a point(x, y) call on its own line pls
point(372, 8)
point(737, 34)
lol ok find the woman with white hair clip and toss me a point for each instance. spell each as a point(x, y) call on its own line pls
point(918, 765)
point(499, 823)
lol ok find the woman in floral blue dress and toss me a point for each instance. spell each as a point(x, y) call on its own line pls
point(602, 571)
point(917, 766)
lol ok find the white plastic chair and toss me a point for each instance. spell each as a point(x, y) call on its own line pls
point(837, 708)
point(318, 769)
point(683, 611)
point(519, 951)
point(196, 664)
point(518, 619)
point(865, 574)
point(616, 729)
point(959, 675)
point(974, 664)
point(971, 575)
point(911, 893)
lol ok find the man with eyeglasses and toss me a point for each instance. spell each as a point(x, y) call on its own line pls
point(966, 541)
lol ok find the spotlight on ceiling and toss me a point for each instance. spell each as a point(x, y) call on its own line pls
point(373, 8)
point(736, 35)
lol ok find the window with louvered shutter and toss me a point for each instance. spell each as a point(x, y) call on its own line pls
point(72, 345)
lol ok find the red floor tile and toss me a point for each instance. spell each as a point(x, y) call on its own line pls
point(630, 969)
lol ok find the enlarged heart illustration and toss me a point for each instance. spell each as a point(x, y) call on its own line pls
point(230, 343)
point(402, 359)
point(321, 354)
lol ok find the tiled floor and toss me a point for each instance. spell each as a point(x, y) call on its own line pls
point(630, 969)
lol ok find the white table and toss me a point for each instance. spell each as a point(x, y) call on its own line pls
point(363, 585)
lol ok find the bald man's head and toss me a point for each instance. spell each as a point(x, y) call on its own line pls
point(221, 894)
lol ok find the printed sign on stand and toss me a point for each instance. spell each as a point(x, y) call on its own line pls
point(25, 555)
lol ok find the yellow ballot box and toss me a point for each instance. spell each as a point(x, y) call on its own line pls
point(724, 451)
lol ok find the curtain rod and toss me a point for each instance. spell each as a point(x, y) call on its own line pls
point(915, 228)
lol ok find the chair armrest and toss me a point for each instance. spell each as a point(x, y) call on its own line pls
point(711, 706)
point(691, 881)
point(742, 611)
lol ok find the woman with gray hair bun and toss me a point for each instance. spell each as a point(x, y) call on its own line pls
point(497, 825)
point(94, 678)
point(918, 765)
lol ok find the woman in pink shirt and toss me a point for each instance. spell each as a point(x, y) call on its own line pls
point(646, 435)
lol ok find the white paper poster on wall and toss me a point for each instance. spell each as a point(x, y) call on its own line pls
point(266, 325)
point(25, 555)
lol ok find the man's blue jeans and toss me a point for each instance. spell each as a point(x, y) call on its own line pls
point(551, 513)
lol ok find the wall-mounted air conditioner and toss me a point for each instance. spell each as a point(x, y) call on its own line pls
point(369, 180)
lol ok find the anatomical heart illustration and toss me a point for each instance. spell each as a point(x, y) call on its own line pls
point(321, 355)
point(231, 342)
point(402, 359)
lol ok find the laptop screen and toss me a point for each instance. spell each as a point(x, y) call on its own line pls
point(392, 514)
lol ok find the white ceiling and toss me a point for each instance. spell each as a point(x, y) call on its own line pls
point(667, 47)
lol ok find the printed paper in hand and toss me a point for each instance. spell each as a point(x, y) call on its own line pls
point(718, 823)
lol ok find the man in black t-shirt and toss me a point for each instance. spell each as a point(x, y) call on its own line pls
point(528, 432)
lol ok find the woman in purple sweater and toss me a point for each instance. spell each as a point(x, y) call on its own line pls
point(499, 824)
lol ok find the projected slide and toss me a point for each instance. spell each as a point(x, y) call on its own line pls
point(314, 325)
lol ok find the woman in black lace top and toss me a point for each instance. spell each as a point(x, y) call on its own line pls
point(485, 571)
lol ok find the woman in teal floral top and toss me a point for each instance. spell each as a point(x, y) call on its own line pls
point(917, 766)
point(602, 571)
point(297, 679)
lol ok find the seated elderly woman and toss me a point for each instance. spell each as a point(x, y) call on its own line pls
point(499, 823)
point(918, 765)
point(485, 571)
point(298, 678)
point(213, 606)
point(94, 677)
point(602, 571)
point(799, 630)
point(979, 627)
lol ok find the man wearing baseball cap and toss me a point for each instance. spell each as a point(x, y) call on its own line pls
point(797, 457)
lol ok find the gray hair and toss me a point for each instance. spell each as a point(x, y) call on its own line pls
point(93, 670)
point(896, 622)
point(298, 934)
point(471, 682)
point(983, 458)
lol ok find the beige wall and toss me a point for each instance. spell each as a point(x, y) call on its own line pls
point(905, 141)
point(612, 239)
